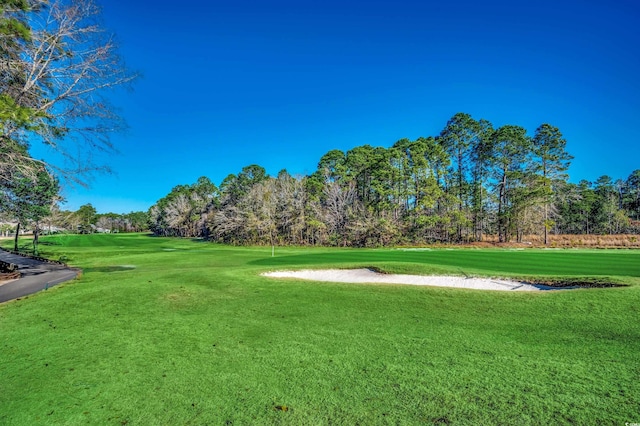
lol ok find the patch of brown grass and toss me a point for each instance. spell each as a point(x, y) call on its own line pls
point(568, 241)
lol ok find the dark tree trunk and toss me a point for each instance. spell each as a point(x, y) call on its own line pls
point(546, 221)
point(36, 236)
point(502, 226)
point(15, 241)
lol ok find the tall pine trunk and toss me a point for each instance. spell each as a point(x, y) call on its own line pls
point(502, 226)
point(546, 221)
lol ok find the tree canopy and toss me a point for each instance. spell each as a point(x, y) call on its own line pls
point(469, 181)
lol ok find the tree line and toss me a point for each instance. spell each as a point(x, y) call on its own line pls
point(85, 220)
point(469, 181)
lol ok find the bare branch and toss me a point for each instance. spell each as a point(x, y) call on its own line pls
point(63, 75)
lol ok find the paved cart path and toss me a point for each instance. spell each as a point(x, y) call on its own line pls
point(36, 276)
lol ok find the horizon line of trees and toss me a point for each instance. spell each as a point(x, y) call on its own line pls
point(86, 220)
point(470, 181)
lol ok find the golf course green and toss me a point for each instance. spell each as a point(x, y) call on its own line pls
point(184, 332)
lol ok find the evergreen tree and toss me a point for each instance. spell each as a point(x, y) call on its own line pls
point(550, 162)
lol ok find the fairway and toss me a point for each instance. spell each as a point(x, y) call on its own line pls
point(178, 331)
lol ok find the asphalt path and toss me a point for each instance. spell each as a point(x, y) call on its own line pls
point(36, 276)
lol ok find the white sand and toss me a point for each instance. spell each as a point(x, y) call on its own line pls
point(368, 276)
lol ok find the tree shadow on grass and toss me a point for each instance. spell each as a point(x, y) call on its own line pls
point(332, 258)
point(109, 269)
point(49, 243)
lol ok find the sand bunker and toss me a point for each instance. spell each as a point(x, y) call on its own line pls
point(364, 276)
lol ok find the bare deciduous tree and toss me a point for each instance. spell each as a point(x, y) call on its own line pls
point(339, 203)
point(59, 82)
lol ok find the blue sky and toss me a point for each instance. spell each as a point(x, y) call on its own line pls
point(280, 83)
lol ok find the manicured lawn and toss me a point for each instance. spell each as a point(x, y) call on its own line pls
point(166, 331)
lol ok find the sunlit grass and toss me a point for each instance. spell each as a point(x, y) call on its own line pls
point(165, 331)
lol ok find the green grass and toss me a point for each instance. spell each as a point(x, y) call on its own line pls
point(167, 331)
